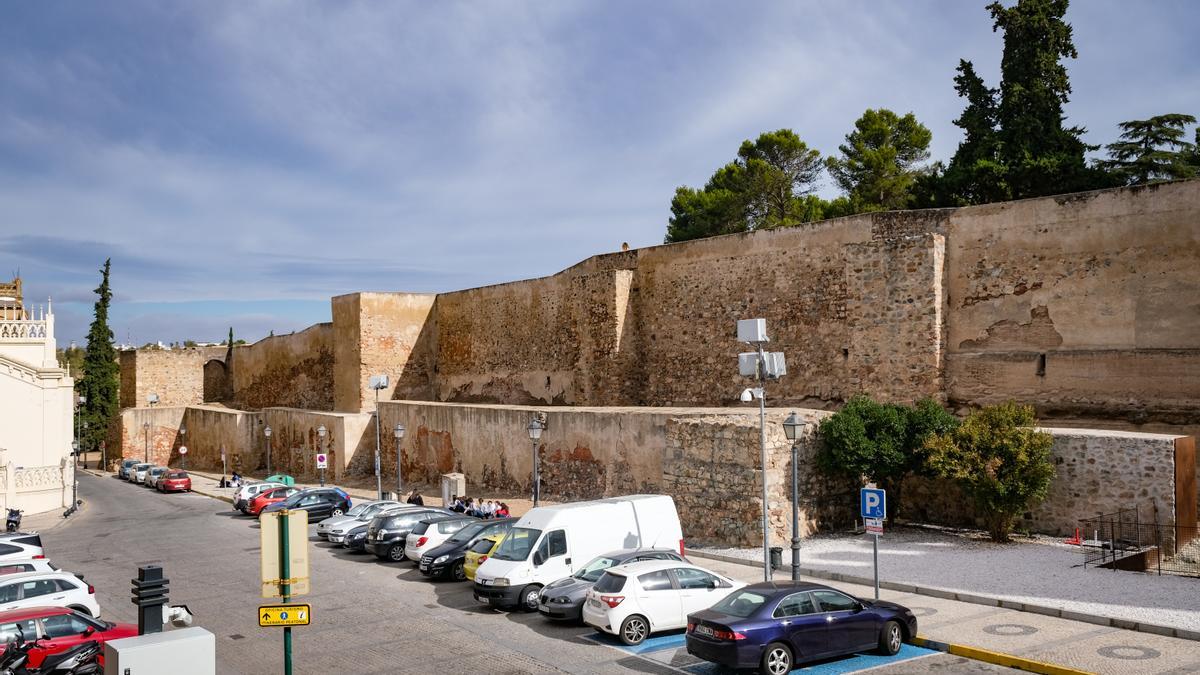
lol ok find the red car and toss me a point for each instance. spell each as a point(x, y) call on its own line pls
point(269, 497)
point(175, 481)
point(64, 628)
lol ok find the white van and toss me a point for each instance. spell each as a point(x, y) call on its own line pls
point(551, 542)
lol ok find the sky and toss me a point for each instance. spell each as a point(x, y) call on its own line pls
point(241, 163)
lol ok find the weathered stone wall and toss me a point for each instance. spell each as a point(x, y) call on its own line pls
point(295, 441)
point(138, 433)
point(382, 334)
point(293, 370)
point(176, 375)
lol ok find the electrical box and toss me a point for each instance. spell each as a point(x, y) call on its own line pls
point(186, 651)
point(453, 484)
point(378, 382)
point(776, 365)
point(748, 364)
point(752, 330)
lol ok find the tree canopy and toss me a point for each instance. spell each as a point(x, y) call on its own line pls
point(1154, 149)
point(101, 373)
point(880, 158)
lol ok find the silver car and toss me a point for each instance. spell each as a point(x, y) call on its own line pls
point(154, 474)
point(335, 528)
point(137, 473)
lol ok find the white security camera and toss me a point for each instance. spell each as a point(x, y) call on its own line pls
point(747, 395)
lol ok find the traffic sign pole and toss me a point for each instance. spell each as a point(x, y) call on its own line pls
point(873, 509)
point(285, 574)
point(875, 556)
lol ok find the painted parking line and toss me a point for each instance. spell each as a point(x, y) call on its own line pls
point(853, 664)
point(654, 644)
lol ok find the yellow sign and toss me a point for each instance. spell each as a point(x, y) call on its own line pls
point(297, 548)
point(284, 615)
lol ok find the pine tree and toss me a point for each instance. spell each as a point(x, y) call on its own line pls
point(1152, 150)
point(975, 174)
point(101, 377)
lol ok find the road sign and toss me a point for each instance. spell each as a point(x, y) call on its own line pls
point(872, 503)
point(183, 449)
point(284, 615)
point(322, 460)
point(873, 526)
point(297, 550)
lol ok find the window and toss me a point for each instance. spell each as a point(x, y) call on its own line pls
point(13, 569)
point(421, 527)
point(796, 604)
point(693, 578)
point(482, 546)
point(37, 588)
point(741, 603)
point(10, 631)
point(517, 544)
point(609, 583)
point(8, 593)
point(655, 581)
point(5, 549)
point(63, 625)
point(451, 526)
point(33, 540)
point(831, 601)
point(593, 570)
point(309, 500)
point(64, 585)
point(558, 543)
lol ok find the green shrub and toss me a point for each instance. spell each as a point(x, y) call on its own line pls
point(1001, 461)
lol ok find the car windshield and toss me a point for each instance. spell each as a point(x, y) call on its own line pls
point(482, 546)
point(357, 509)
point(593, 570)
point(294, 499)
point(517, 544)
point(741, 604)
point(467, 533)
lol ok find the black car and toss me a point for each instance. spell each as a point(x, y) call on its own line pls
point(563, 599)
point(447, 559)
point(387, 532)
point(356, 538)
point(319, 502)
point(772, 626)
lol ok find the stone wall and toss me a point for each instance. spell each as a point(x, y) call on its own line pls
point(293, 370)
point(382, 334)
point(138, 433)
point(176, 375)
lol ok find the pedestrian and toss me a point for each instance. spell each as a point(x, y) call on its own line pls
point(502, 510)
point(414, 498)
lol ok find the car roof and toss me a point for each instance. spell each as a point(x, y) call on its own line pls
point(627, 553)
point(32, 613)
point(767, 587)
point(645, 566)
point(22, 576)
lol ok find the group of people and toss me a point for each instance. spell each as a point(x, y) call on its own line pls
point(478, 508)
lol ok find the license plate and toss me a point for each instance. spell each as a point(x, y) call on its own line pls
point(594, 602)
point(424, 565)
point(703, 630)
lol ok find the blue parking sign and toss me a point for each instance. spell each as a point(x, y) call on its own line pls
point(873, 503)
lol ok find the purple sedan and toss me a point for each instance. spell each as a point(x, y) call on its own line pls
point(772, 626)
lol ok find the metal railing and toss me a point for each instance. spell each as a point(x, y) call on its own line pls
point(1122, 541)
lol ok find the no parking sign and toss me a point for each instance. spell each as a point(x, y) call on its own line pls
point(322, 460)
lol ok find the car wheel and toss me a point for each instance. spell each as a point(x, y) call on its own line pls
point(890, 638)
point(529, 597)
point(337, 511)
point(776, 660)
point(457, 572)
point(634, 630)
point(396, 553)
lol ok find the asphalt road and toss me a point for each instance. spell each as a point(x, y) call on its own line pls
point(368, 616)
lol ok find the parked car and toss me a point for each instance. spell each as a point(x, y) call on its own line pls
point(551, 542)
point(388, 531)
point(175, 481)
point(479, 552)
point(430, 533)
point(64, 629)
point(54, 589)
point(26, 565)
point(137, 473)
point(632, 601)
point(334, 528)
point(20, 545)
point(356, 539)
point(267, 497)
point(772, 626)
point(249, 491)
point(449, 558)
point(320, 503)
point(123, 470)
point(153, 474)
point(563, 599)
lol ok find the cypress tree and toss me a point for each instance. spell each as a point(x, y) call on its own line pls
point(101, 378)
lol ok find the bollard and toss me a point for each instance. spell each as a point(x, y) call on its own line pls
point(150, 594)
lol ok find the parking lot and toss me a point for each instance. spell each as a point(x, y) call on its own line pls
point(368, 616)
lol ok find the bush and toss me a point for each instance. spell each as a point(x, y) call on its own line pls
point(1001, 461)
point(880, 441)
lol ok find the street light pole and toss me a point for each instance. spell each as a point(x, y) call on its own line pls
point(267, 433)
point(761, 365)
point(399, 433)
point(535, 429)
point(321, 449)
point(791, 428)
point(146, 429)
point(378, 382)
point(182, 448)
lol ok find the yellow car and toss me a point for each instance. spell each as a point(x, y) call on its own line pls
point(479, 552)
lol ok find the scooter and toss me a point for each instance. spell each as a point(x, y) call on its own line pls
point(82, 659)
point(14, 520)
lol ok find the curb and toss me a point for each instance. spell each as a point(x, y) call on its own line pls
point(210, 495)
point(1126, 624)
point(997, 658)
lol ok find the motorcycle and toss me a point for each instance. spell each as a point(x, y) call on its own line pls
point(82, 659)
point(14, 520)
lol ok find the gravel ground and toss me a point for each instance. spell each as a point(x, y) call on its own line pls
point(1040, 571)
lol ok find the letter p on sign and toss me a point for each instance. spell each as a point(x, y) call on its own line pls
point(873, 503)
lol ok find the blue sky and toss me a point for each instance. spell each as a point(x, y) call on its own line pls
point(243, 162)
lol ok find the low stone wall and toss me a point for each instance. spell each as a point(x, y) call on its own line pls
point(140, 433)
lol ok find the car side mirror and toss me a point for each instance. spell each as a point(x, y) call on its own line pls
point(858, 606)
point(538, 558)
point(89, 631)
point(713, 583)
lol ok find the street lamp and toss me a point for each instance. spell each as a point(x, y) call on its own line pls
point(378, 382)
point(398, 432)
point(182, 448)
point(146, 429)
point(762, 365)
point(267, 433)
point(793, 427)
point(535, 429)
point(321, 442)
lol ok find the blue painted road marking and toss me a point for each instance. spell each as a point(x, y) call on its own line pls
point(844, 666)
point(654, 644)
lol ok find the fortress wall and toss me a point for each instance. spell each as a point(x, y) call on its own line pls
point(382, 334)
point(293, 370)
point(1084, 305)
point(176, 375)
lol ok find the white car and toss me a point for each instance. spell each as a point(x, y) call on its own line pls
point(632, 601)
point(20, 546)
point(334, 528)
point(47, 589)
point(428, 534)
point(22, 565)
point(249, 491)
point(137, 472)
point(154, 474)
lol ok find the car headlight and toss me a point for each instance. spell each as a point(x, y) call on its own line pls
point(561, 600)
point(499, 581)
point(441, 559)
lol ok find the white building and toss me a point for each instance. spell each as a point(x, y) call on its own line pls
point(35, 409)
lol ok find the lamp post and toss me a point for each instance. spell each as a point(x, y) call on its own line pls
point(321, 443)
point(146, 429)
point(763, 366)
point(535, 429)
point(793, 427)
point(378, 382)
point(182, 448)
point(267, 433)
point(74, 479)
point(398, 432)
